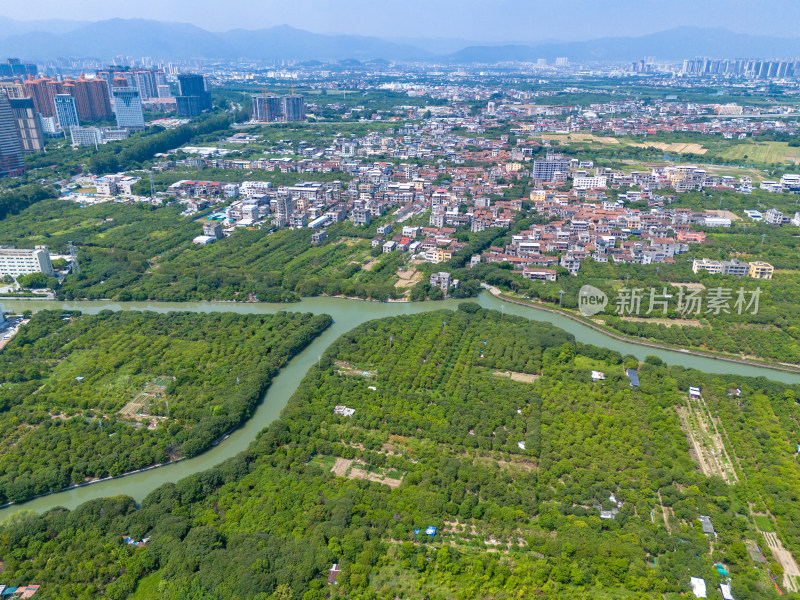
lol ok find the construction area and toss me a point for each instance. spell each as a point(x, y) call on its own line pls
point(346, 368)
point(138, 408)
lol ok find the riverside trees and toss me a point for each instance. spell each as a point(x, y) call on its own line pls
point(92, 396)
point(445, 418)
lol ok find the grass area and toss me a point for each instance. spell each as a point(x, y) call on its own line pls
point(764, 523)
point(769, 153)
point(148, 588)
point(323, 461)
point(591, 364)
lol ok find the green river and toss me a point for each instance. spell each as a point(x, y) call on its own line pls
point(346, 314)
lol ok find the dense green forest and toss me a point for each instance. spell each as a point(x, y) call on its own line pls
point(270, 267)
point(131, 153)
point(85, 397)
point(485, 426)
point(13, 201)
point(140, 252)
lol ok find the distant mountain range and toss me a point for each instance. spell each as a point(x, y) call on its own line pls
point(42, 40)
point(674, 44)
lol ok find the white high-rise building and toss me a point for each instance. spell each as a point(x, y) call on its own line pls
point(16, 262)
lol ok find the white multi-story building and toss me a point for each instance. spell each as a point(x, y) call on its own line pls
point(85, 136)
point(589, 183)
point(706, 264)
point(16, 262)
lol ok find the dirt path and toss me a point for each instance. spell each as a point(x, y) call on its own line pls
point(785, 559)
point(699, 455)
point(664, 514)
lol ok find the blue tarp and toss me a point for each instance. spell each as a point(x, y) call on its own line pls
point(633, 375)
point(430, 531)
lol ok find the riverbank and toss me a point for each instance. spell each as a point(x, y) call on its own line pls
point(347, 314)
point(497, 293)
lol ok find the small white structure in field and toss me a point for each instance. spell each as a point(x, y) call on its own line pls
point(698, 587)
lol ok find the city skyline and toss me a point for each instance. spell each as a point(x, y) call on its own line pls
point(487, 21)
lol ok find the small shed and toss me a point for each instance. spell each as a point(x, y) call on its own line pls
point(698, 587)
point(333, 573)
point(633, 375)
point(705, 523)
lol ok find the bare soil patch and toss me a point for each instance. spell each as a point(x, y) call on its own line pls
point(408, 278)
point(516, 376)
point(785, 559)
point(341, 466)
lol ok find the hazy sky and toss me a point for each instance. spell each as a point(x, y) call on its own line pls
point(490, 20)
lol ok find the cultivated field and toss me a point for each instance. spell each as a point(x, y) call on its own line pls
point(705, 441)
point(769, 153)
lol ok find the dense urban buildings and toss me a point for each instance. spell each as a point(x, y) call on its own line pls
point(91, 97)
point(146, 81)
point(43, 91)
point(750, 68)
point(13, 89)
point(270, 108)
point(267, 108)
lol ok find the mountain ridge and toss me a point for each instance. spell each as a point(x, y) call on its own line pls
point(171, 40)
